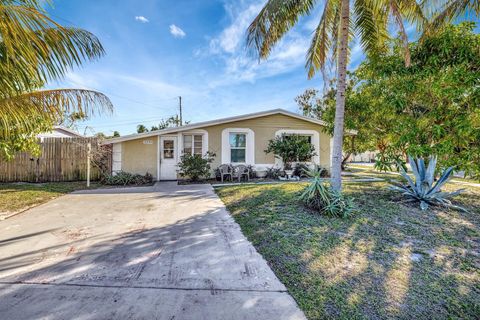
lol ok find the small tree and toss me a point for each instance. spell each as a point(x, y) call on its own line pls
point(195, 166)
point(291, 148)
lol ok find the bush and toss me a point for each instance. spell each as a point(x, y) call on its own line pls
point(195, 166)
point(291, 148)
point(321, 197)
point(424, 190)
point(301, 170)
point(274, 173)
point(123, 178)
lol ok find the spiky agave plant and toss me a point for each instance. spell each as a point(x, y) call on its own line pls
point(320, 196)
point(425, 189)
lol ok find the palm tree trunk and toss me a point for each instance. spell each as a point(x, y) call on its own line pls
point(340, 97)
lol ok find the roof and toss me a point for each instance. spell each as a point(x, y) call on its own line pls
point(216, 122)
point(59, 131)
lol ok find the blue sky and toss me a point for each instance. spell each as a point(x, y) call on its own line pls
point(158, 50)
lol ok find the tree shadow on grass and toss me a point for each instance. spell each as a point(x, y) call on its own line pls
point(389, 261)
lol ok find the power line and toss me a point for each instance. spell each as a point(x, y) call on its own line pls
point(121, 97)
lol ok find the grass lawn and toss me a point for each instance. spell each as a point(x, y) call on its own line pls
point(389, 261)
point(17, 197)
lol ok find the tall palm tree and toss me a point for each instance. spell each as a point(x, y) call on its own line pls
point(331, 37)
point(35, 50)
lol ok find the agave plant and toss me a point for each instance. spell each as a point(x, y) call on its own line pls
point(320, 196)
point(425, 189)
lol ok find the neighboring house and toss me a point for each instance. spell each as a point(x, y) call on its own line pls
point(234, 140)
point(367, 156)
point(60, 132)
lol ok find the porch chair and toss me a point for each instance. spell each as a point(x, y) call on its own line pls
point(240, 171)
point(225, 171)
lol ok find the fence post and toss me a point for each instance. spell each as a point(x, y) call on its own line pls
point(89, 151)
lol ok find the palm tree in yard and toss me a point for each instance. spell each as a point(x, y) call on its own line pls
point(35, 50)
point(339, 22)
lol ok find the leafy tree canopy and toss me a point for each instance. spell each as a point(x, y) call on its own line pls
point(429, 108)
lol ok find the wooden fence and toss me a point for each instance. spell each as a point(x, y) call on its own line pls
point(61, 159)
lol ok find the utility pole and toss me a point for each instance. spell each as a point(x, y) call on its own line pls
point(180, 105)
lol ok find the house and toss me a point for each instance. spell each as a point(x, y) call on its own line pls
point(60, 132)
point(234, 140)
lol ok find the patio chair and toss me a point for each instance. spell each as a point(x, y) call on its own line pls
point(241, 171)
point(225, 171)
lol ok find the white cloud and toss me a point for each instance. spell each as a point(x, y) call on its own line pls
point(177, 32)
point(230, 47)
point(142, 19)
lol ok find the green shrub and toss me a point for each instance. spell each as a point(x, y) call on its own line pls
point(291, 148)
point(319, 196)
point(274, 173)
point(425, 190)
point(196, 167)
point(123, 178)
point(301, 170)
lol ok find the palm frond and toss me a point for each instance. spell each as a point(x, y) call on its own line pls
point(37, 47)
point(371, 23)
point(275, 19)
point(320, 45)
point(17, 112)
point(450, 10)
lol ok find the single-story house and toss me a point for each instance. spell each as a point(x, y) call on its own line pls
point(60, 132)
point(234, 140)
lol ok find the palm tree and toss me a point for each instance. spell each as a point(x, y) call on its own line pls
point(448, 10)
point(332, 35)
point(35, 50)
point(141, 128)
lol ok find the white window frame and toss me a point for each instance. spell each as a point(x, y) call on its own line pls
point(315, 140)
point(237, 148)
point(249, 145)
point(192, 149)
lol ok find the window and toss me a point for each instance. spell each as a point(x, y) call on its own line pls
point(301, 136)
point(192, 144)
point(168, 149)
point(238, 147)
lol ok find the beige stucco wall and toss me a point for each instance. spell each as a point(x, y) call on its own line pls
point(265, 129)
point(140, 158)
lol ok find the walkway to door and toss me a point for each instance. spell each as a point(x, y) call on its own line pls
point(162, 252)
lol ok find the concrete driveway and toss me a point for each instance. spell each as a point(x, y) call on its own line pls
point(162, 252)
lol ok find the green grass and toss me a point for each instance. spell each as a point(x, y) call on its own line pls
point(364, 267)
point(17, 197)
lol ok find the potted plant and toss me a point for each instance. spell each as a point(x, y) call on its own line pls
point(291, 148)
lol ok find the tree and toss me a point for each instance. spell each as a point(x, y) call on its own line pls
point(291, 148)
point(116, 134)
point(431, 108)
point(357, 117)
point(173, 121)
point(332, 35)
point(34, 50)
point(141, 128)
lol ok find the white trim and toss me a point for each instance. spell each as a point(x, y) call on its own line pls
point(250, 145)
point(220, 121)
point(158, 158)
point(175, 144)
point(116, 157)
point(202, 132)
point(315, 142)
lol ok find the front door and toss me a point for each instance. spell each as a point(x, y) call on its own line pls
point(168, 158)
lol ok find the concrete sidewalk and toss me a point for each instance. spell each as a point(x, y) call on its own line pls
point(162, 252)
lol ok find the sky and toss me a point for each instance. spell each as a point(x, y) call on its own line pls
point(158, 50)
